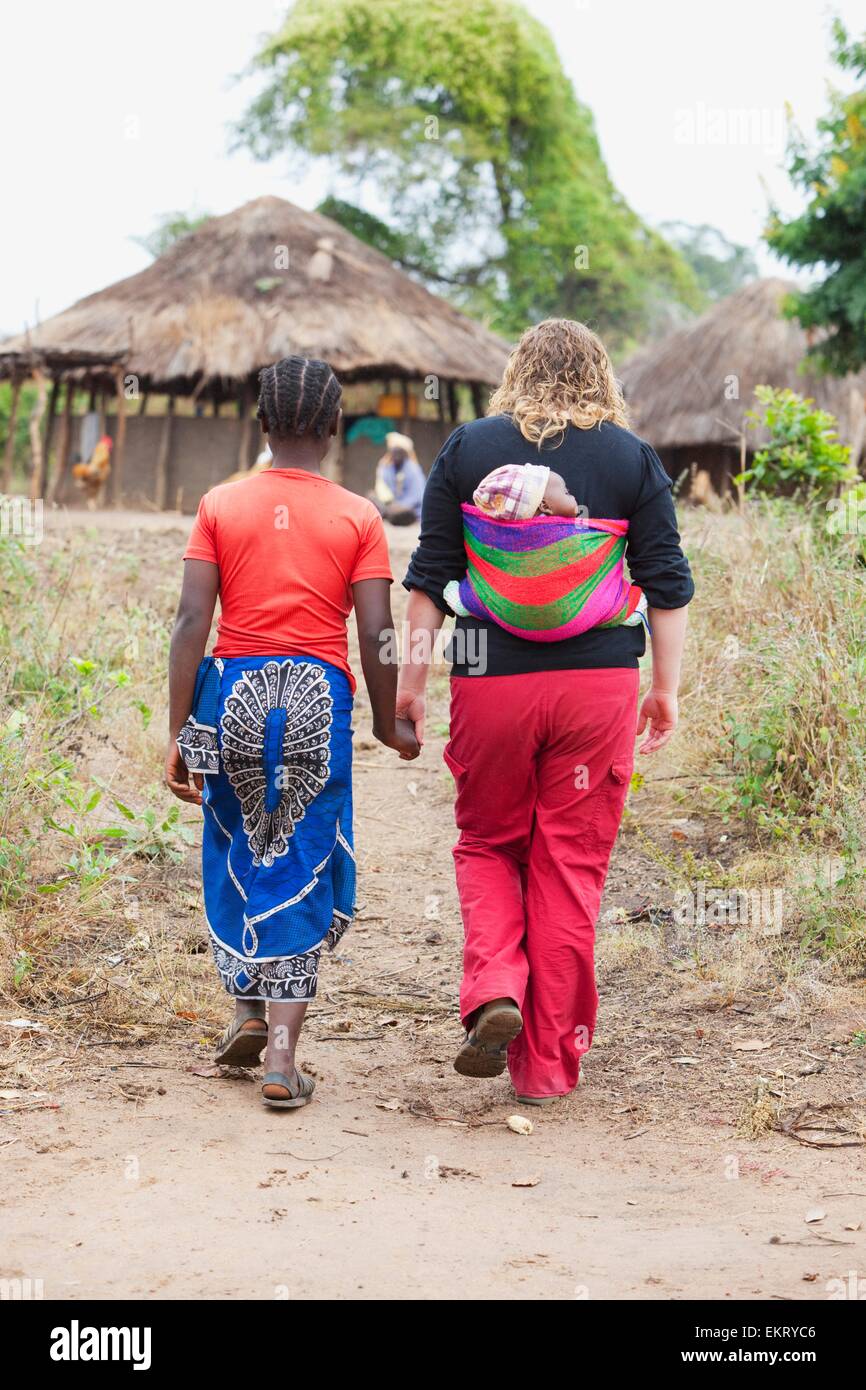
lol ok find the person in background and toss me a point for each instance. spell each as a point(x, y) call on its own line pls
point(264, 726)
point(542, 733)
point(400, 481)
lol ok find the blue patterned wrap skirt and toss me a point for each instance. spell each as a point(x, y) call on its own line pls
point(273, 736)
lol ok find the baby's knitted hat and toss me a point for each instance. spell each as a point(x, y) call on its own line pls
point(514, 492)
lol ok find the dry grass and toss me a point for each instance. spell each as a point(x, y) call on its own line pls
point(774, 706)
point(98, 907)
point(761, 1110)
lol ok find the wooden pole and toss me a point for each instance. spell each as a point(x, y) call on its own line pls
point(9, 450)
point(120, 439)
point(49, 426)
point(452, 402)
point(404, 424)
point(161, 491)
point(477, 400)
point(63, 447)
point(36, 449)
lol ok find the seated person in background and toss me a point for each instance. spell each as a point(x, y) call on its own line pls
point(399, 481)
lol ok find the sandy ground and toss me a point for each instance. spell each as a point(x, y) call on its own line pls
point(152, 1174)
point(153, 1183)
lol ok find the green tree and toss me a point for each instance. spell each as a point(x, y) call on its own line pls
point(402, 247)
point(829, 234)
point(720, 266)
point(170, 227)
point(458, 120)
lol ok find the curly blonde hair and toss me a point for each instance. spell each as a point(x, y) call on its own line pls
point(558, 375)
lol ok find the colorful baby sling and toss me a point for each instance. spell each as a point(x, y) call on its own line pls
point(547, 578)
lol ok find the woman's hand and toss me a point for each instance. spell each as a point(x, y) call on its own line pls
point(413, 708)
point(660, 710)
point(422, 623)
point(177, 777)
point(402, 739)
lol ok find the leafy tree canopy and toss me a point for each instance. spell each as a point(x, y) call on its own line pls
point(484, 165)
point(829, 234)
point(404, 248)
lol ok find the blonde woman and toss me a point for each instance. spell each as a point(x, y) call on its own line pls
point(542, 731)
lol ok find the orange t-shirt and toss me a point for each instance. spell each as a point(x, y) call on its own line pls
point(289, 546)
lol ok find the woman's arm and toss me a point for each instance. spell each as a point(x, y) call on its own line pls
point(372, 598)
point(656, 562)
point(659, 707)
point(188, 641)
point(423, 621)
point(440, 556)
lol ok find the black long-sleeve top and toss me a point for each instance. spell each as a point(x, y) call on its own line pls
point(612, 474)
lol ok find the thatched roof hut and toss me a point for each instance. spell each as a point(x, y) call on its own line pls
point(266, 280)
point(689, 393)
point(236, 294)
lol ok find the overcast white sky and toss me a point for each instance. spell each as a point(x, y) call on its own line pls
point(114, 113)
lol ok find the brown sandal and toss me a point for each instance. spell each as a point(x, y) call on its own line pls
point(242, 1043)
point(298, 1089)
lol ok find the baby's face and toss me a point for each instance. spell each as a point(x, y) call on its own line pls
point(557, 500)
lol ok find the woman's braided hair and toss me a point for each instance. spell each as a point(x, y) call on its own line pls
point(298, 395)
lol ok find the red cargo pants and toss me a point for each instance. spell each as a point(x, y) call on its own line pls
point(542, 764)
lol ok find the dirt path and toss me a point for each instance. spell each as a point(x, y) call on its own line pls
point(138, 1170)
point(150, 1180)
point(189, 1189)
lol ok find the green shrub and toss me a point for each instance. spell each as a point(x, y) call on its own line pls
point(803, 455)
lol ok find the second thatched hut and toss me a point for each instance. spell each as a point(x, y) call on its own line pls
point(688, 394)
